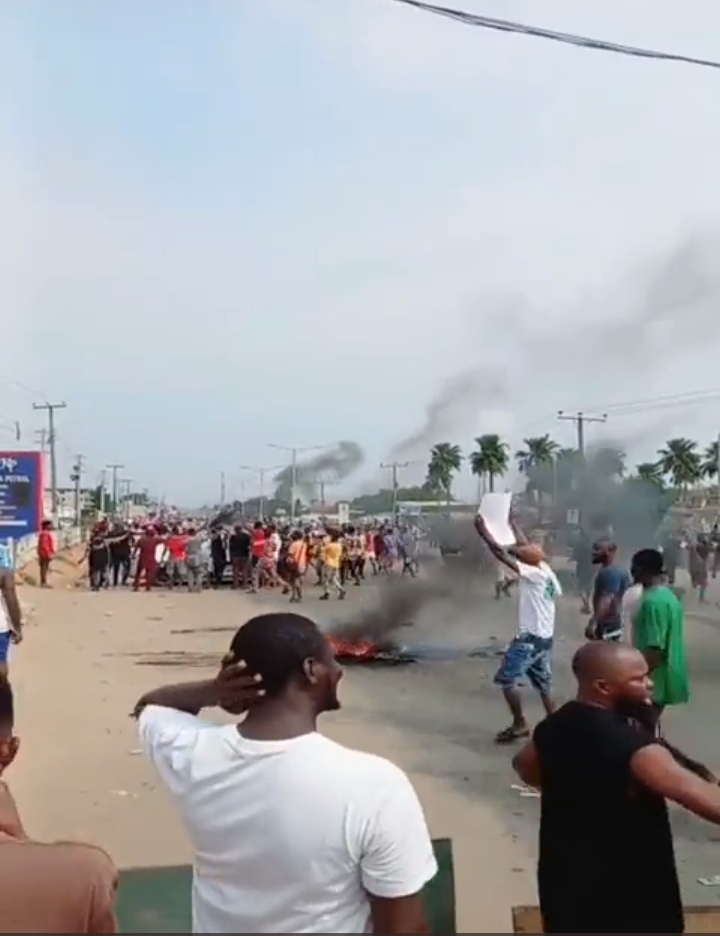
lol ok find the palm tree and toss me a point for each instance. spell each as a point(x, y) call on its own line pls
point(538, 450)
point(490, 459)
point(568, 464)
point(710, 460)
point(608, 462)
point(445, 462)
point(681, 460)
point(651, 472)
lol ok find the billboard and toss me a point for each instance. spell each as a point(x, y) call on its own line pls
point(21, 493)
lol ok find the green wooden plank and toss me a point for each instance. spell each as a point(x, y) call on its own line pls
point(440, 892)
point(157, 900)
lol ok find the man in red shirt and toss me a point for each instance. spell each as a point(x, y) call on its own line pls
point(177, 547)
point(259, 541)
point(45, 551)
point(146, 551)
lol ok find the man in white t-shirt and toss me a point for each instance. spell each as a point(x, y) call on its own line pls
point(529, 655)
point(291, 832)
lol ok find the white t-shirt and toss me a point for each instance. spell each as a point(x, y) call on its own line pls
point(629, 608)
point(539, 588)
point(289, 836)
point(276, 541)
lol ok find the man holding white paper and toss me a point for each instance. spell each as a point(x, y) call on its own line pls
point(495, 511)
point(529, 655)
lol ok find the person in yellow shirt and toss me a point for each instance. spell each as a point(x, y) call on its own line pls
point(332, 562)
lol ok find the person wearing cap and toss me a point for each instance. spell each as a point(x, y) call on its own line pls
point(529, 654)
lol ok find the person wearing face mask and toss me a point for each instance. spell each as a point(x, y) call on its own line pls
point(63, 887)
point(606, 857)
point(292, 832)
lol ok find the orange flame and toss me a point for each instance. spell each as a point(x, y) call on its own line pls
point(353, 650)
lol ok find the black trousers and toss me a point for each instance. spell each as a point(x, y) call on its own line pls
point(120, 570)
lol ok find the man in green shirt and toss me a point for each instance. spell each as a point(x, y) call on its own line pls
point(659, 631)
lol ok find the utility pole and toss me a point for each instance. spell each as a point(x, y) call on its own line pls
point(222, 489)
point(42, 439)
point(115, 469)
point(103, 482)
point(395, 467)
point(126, 484)
point(76, 478)
point(51, 407)
point(580, 420)
point(261, 473)
point(294, 452)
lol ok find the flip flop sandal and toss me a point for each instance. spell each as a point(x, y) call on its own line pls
point(508, 735)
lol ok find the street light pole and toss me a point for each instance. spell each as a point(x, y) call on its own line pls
point(261, 472)
point(294, 451)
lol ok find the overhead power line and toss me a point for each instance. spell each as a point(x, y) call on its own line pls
point(584, 42)
point(661, 402)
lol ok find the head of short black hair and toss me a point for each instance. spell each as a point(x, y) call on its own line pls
point(7, 704)
point(648, 561)
point(275, 646)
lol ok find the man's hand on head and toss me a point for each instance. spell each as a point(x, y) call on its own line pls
point(237, 688)
point(234, 689)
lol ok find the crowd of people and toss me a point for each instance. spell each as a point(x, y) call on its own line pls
point(604, 770)
point(250, 555)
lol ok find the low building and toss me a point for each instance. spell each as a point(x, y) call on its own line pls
point(66, 503)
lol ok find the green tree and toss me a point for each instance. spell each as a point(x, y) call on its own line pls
point(445, 462)
point(650, 472)
point(681, 461)
point(710, 460)
point(568, 466)
point(538, 450)
point(490, 459)
point(607, 461)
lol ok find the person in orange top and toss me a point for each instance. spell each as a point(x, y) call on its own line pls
point(45, 551)
point(296, 564)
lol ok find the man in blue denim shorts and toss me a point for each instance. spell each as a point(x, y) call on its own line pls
point(529, 655)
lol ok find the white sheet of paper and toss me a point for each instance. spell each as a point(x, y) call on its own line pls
point(495, 511)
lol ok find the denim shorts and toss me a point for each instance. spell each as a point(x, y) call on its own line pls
point(5, 641)
point(527, 658)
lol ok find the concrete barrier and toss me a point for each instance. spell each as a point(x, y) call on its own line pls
point(24, 550)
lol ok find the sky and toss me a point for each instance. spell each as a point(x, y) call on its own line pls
point(228, 224)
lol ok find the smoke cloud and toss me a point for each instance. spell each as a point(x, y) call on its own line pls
point(455, 407)
point(331, 466)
